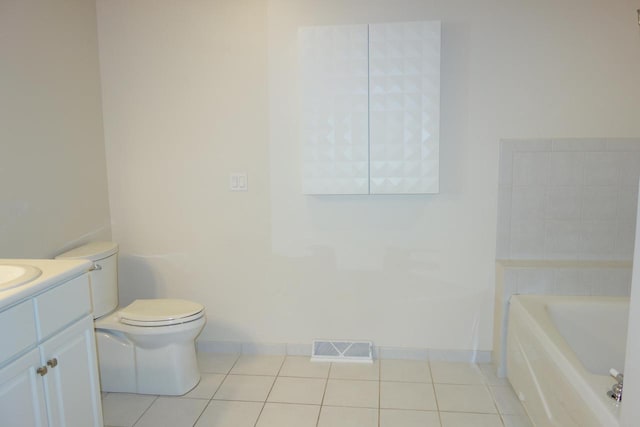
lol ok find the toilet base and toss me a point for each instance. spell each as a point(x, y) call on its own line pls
point(146, 367)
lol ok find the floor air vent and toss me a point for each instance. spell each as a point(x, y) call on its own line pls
point(342, 351)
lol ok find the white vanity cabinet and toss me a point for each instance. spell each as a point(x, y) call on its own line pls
point(48, 364)
point(22, 400)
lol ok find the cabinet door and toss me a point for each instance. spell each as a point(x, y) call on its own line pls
point(334, 102)
point(370, 108)
point(22, 401)
point(404, 84)
point(71, 385)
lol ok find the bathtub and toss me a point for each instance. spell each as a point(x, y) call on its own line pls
point(559, 352)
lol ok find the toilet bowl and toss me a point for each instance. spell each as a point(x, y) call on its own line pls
point(140, 353)
point(147, 347)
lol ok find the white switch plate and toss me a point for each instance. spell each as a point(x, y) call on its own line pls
point(238, 181)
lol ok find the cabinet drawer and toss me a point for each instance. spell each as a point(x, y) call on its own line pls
point(62, 305)
point(17, 330)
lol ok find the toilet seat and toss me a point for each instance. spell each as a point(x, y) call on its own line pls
point(160, 312)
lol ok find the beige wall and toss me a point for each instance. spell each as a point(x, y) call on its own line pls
point(194, 90)
point(53, 186)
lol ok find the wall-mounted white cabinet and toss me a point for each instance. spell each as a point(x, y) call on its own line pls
point(370, 108)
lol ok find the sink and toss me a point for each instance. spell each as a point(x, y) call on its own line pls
point(12, 275)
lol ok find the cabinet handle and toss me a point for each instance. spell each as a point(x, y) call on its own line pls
point(42, 370)
point(52, 362)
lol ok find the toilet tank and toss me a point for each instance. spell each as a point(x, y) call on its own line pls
point(103, 275)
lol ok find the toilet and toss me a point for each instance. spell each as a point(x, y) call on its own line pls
point(147, 347)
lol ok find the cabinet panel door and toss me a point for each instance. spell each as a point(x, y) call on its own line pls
point(72, 386)
point(334, 109)
point(22, 401)
point(404, 73)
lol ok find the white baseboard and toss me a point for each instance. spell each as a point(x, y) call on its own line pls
point(293, 349)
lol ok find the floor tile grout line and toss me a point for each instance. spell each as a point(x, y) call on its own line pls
point(217, 388)
point(145, 411)
point(389, 409)
point(502, 423)
point(201, 413)
point(435, 396)
point(495, 402)
point(379, 391)
point(270, 390)
point(495, 410)
point(226, 376)
point(262, 375)
point(470, 412)
point(352, 406)
point(410, 382)
point(276, 403)
point(324, 393)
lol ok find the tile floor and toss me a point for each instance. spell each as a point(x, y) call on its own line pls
point(279, 391)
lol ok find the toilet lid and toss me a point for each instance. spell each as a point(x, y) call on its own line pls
point(160, 312)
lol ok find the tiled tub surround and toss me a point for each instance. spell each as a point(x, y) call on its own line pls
point(566, 221)
point(287, 391)
point(542, 277)
point(571, 199)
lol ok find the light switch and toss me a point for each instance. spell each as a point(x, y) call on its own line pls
point(238, 181)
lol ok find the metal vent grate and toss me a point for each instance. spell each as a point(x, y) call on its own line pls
point(342, 351)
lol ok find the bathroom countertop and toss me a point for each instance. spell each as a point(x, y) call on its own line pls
point(53, 273)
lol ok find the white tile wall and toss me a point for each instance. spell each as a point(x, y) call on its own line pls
point(568, 199)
